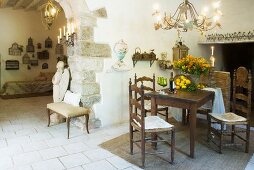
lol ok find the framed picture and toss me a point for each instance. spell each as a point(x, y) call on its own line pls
point(26, 59)
point(34, 62)
point(12, 65)
point(45, 66)
point(15, 49)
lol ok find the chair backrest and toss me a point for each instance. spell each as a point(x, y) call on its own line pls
point(145, 80)
point(242, 87)
point(135, 104)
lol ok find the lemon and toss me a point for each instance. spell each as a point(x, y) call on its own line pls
point(182, 77)
point(184, 87)
point(177, 87)
point(188, 81)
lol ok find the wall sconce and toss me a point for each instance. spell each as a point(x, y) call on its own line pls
point(68, 35)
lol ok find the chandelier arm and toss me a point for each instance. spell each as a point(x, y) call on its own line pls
point(194, 9)
point(178, 8)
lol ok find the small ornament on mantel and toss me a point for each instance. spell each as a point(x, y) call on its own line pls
point(212, 58)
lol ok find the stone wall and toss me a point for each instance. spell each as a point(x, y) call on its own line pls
point(85, 59)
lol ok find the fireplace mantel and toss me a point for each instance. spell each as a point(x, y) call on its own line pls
point(224, 42)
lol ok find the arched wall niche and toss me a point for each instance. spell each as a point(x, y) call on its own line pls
point(86, 58)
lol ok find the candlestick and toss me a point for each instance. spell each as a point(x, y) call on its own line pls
point(64, 30)
point(212, 49)
point(72, 28)
point(58, 39)
point(60, 30)
point(68, 28)
point(212, 59)
point(67, 36)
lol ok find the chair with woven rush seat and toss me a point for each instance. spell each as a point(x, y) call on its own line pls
point(145, 124)
point(147, 104)
point(240, 115)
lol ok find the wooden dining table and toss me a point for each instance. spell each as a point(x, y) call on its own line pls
point(185, 100)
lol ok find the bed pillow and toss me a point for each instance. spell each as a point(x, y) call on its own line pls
point(72, 98)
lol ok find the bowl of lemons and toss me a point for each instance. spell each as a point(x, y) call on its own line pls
point(184, 82)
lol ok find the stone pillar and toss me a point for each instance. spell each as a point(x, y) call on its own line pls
point(85, 59)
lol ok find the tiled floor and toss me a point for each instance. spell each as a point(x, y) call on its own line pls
point(26, 143)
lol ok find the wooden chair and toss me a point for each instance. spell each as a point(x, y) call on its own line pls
point(241, 112)
point(146, 124)
point(162, 110)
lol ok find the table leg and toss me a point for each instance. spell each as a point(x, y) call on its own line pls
point(193, 118)
point(153, 113)
point(183, 116)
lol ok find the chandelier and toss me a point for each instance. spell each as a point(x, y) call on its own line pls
point(187, 18)
point(49, 12)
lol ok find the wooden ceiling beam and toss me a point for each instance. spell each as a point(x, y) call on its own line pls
point(32, 4)
point(18, 4)
point(4, 3)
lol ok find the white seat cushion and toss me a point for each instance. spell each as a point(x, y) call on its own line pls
point(147, 105)
point(68, 110)
point(155, 122)
point(72, 98)
point(228, 117)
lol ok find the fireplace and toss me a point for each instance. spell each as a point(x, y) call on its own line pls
point(235, 55)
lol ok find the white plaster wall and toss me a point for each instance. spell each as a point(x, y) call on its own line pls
point(237, 16)
point(132, 21)
point(18, 26)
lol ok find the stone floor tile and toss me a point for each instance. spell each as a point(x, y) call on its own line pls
point(118, 162)
point(11, 150)
point(22, 167)
point(58, 141)
point(76, 168)
point(3, 143)
point(51, 164)
point(252, 159)
point(26, 158)
point(25, 132)
point(18, 140)
point(130, 168)
point(74, 160)
point(98, 154)
point(52, 152)
point(40, 136)
point(34, 146)
point(5, 162)
point(250, 166)
point(76, 147)
point(99, 165)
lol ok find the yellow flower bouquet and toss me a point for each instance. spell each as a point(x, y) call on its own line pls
point(192, 65)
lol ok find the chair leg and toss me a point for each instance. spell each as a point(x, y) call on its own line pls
point(87, 120)
point(247, 138)
point(68, 127)
point(166, 114)
point(172, 145)
point(48, 111)
point(208, 128)
point(131, 139)
point(183, 116)
point(233, 134)
point(221, 136)
point(143, 147)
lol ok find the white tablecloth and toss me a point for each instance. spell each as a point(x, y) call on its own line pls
point(218, 103)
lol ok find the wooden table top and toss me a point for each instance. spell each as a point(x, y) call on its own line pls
point(190, 97)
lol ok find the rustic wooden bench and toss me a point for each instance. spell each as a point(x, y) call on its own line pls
point(68, 111)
